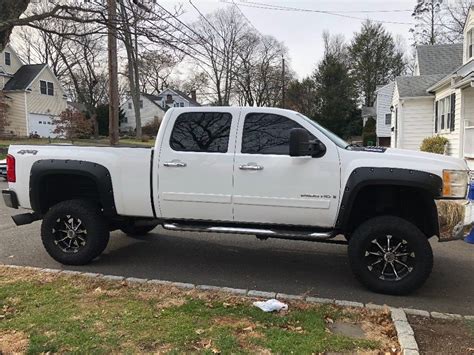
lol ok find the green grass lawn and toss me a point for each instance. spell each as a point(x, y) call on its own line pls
point(42, 313)
point(101, 141)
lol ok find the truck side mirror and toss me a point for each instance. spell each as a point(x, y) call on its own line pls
point(301, 146)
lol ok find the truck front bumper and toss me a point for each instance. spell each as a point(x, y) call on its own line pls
point(10, 199)
point(455, 218)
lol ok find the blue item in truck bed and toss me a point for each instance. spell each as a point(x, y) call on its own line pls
point(470, 238)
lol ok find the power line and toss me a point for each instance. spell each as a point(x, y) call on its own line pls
point(295, 9)
point(246, 18)
point(332, 11)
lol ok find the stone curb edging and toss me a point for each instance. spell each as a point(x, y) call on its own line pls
point(405, 332)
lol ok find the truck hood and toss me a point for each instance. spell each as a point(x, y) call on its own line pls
point(436, 159)
point(352, 159)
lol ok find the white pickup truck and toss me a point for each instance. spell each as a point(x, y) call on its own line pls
point(267, 172)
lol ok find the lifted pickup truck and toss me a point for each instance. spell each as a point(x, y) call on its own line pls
point(267, 172)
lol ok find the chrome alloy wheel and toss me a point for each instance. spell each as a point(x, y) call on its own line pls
point(390, 258)
point(70, 235)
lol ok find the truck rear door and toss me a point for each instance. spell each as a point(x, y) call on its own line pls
point(195, 164)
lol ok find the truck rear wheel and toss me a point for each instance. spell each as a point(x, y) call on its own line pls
point(390, 255)
point(74, 232)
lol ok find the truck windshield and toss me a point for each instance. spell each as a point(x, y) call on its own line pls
point(334, 138)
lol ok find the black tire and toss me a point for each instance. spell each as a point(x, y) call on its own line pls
point(401, 270)
point(82, 246)
point(138, 231)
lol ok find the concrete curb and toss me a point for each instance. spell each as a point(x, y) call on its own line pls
point(406, 336)
point(405, 332)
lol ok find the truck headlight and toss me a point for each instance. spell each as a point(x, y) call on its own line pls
point(455, 183)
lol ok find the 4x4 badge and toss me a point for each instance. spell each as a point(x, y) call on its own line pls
point(28, 151)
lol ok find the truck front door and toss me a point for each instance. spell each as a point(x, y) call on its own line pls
point(195, 165)
point(273, 188)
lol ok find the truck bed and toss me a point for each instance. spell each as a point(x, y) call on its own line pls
point(129, 169)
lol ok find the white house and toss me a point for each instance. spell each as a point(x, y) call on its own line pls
point(384, 114)
point(150, 109)
point(154, 107)
point(453, 115)
point(412, 111)
point(439, 99)
point(33, 94)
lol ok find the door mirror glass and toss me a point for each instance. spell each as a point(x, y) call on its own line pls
point(300, 144)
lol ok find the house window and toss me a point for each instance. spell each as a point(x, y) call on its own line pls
point(470, 43)
point(388, 118)
point(129, 105)
point(8, 58)
point(46, 88)
point(181, 104)
point(444, 114)
point(141, 103)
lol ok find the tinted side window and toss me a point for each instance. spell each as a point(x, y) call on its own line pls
point(201, 132)
point(268, 134)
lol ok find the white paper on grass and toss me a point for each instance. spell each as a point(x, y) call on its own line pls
point(271, 305)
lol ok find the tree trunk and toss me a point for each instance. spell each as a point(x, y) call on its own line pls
point(136, 78)
point(10, 9)
point(95, 124)
point(113, 73)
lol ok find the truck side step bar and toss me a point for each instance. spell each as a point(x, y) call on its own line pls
point(261, 233)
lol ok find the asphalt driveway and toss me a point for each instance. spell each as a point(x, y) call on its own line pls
point(245, 262)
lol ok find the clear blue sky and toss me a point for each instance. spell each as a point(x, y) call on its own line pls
point(301, 31)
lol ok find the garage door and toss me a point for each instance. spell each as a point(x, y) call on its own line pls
point(41, 125)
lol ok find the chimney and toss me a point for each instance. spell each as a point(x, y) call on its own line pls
point(193, 95)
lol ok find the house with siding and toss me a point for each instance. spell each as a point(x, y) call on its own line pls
point(383, 114)
point(154, 107)
point(439, 98)
point(33, 95)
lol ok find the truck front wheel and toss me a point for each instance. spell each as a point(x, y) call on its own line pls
point(390, 255)
point(74, 232)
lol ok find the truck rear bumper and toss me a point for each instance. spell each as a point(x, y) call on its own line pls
point(10, 199)
point(455, 218)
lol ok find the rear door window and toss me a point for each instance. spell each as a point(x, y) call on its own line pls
point(201, 132)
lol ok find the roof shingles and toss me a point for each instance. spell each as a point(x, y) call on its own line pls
point(23, 77)
point(416, 86)
point(439, 58)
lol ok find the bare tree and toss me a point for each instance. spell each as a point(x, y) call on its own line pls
point(260, 70)
point(427, 29)
point(155, 69)
point(454, 18)
point(220, 36)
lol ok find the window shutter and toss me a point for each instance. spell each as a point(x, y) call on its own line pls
point(436, 117)
point(453, 111)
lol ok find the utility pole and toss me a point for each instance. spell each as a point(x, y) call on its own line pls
point(113, 72)
point(283, 81)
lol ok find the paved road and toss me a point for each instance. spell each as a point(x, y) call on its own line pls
point(245, 262)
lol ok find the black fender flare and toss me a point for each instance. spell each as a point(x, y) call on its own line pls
point(368, 176)
point(98, 173)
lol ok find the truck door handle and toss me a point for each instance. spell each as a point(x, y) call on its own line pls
point(250, 166)
point(175, 164)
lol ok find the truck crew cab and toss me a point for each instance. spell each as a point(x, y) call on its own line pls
point(267, 172)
